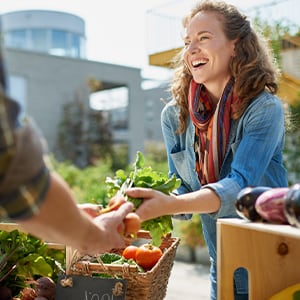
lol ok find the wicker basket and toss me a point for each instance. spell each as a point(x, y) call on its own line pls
point(150, 285)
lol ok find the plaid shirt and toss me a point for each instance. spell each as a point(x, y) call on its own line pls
point(24, 178)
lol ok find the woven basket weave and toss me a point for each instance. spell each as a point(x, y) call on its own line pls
point(150, 285)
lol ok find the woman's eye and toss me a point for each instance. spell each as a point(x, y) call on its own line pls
point(202, 38)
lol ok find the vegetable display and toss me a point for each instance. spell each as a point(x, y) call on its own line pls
point(147, 255)
point(292, 205)
point(279, 205)
point(142, 176)
point(25, 259)
point(130, 252)
point(270, 205)
point(245, 202)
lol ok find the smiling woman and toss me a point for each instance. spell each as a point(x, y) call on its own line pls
point(207, 53)
point(224, 129)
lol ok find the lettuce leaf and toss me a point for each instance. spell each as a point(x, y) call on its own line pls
point(142, 176)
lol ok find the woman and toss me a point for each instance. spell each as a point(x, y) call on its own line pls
point(224, 129)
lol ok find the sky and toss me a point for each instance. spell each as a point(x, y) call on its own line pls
point(116, 30)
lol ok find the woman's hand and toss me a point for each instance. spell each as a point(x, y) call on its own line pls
point(155, 203)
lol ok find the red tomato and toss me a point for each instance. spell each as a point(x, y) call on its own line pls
point(147, 256)
point(132, 223)
point(130, 252)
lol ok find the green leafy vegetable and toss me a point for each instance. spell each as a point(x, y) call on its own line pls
point(24, 258)
point(109, 258)
point(142, 176)
point(115, 259)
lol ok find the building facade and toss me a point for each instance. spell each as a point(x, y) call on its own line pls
point(47, 69)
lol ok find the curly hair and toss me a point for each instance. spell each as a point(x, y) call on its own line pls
point(253, 67)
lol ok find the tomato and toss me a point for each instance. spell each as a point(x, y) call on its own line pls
point(132, 223)
point(130, 252)
point(148, 255)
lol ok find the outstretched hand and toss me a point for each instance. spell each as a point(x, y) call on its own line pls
point(111, 224)
point(155, 203)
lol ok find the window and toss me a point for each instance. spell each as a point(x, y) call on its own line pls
point(39, 40)
point(16, 39)
point(59, 45)
point(75, 45)
point(17, 90)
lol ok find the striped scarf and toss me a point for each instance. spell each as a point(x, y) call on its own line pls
point(212, 129)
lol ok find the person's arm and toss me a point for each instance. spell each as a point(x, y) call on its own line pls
point(60, 220)
point(157, 204)
point(40, 202)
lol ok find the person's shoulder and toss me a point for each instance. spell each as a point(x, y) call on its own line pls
point(266, 98)
point(170, 112)
point(170, 107)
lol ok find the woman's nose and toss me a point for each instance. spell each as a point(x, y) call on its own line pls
point(193, 47)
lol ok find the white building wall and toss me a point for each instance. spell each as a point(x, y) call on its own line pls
point(53, 81)
point(291, 62)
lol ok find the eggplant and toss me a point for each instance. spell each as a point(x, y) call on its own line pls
point(270, 205)
point(5, 293)
point(292, 205)
point(245, 202)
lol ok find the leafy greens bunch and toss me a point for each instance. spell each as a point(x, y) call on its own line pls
point(142, 176)
point(24, 258)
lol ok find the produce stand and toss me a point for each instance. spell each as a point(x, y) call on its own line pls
point(269, 252)
point(148, 285)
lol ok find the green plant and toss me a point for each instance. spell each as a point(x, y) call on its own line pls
point(292, 146)
point(191, 234)
point(88, 184)
point(143, 176)
point(24, 258)
point(84, 134)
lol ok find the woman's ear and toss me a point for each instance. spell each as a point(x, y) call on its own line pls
point(233, 53)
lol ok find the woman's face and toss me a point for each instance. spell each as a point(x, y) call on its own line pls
point(207, 51)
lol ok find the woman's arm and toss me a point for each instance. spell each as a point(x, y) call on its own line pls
point(156, 204)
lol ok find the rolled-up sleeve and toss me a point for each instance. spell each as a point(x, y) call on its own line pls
point(227, 189)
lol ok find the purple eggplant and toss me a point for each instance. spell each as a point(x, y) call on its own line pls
point(292, 205)
point(245, 202)
point(270, 205)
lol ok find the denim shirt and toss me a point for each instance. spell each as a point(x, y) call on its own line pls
point(253, 158)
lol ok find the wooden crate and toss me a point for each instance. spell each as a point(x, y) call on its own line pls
point(269, 252)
